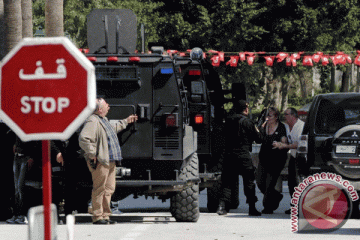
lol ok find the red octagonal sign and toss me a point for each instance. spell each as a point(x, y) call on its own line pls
point(47, 88)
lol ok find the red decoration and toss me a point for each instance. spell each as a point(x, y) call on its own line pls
point(171, 52)
point(333, 60)
point(251, 59)
point(296, 55)
point(269, 60)
point(242, 56)
point(317, 56)
point(339, 58)
point(348, 58)
point(281, 56)
point(291, 61)
point(233, 61)
point(288, 61)
point(307, 61)
point(221, 56)
point(215, 61)
point(324, 60)
point(357, 59)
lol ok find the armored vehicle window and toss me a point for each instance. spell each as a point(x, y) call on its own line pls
point(334, 114)
point(116, 89)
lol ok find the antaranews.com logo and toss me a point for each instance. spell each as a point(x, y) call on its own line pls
point(322, 203)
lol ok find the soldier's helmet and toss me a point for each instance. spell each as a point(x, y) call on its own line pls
point(196, 54)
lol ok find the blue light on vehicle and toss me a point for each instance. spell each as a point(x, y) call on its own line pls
point(167, 71)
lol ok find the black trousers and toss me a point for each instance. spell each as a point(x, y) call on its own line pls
point(266, 179)
point(235, 164)
point(20, 169)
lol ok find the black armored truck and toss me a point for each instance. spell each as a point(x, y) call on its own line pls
point(171, 150)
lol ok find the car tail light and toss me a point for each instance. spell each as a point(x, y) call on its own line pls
point(134, 59)
point(303, 144)
point(92, 59)
point(171, 120)
point(195, 72)
point(112, 59)
point(199, 119)
point(86, 50)
point(354, 161)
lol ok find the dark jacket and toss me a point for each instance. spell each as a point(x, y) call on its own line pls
point(31, 149)
point(241, 133)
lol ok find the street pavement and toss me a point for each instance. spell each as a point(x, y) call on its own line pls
point(150, 219)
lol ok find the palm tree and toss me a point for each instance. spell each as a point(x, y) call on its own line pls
point(2, 32)
point(13, 23)
point(27, 25)
point(54, 18)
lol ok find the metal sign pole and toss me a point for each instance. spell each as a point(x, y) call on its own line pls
point(46, 171)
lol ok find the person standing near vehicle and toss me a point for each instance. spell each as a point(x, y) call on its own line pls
point(24, 155)
point(294, 127)
point(100, 143)
point(241, 133)
point(68, 154)
point(271, 160)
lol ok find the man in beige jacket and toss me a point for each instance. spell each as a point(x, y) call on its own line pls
point(99, 141)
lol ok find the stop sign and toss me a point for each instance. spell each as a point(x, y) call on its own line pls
point(47, 88)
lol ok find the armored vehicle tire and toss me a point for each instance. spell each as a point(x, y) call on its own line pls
point(184, 206)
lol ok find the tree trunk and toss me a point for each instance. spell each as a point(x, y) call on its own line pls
point(2, 30)
point(332, 79)
point(345, 80)
point(357, 88)
point(285, 86)
point(13, 23)
point(26, 12)
point(273, 96)
point(54, 18)
point(302, 80)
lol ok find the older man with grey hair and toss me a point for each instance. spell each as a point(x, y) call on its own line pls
point(100, 143)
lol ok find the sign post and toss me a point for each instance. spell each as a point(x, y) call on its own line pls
point(47, 90)
point(47, 196)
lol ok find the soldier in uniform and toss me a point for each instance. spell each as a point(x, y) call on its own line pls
point(241, 133)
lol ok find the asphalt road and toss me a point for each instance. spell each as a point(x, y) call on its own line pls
point(150, 219)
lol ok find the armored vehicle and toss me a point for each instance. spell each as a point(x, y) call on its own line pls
point(175, 148)
point(171, 151)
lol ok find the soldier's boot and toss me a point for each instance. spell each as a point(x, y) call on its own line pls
point(253, 211)
point(222, 208)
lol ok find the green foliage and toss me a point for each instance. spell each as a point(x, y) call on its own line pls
point(234, 26)
point(75, 13)
point(325, 72)
point(298, 100)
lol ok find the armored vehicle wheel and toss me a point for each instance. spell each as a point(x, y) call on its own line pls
point(184, 206)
